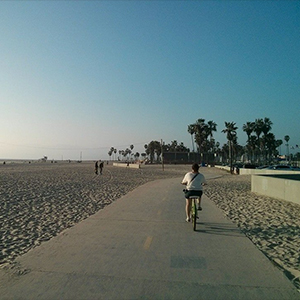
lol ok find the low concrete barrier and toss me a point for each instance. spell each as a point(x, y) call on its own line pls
point(283, 186)
point(226, 168)
point(259, 171)
point(125, 165)
point(266, 172)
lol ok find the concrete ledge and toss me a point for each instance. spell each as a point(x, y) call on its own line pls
point(259, 171)
point(125, 165)
point(226, 168)
point(285, 187)
point(267, 172)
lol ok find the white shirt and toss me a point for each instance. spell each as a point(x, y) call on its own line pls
point(196, 184)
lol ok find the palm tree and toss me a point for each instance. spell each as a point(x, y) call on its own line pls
point(258, 129)
point(127, 152)
point(173, 146)
point(110, 152)
point(191, 131)
point(182, 148)
point(248, 128)
point(115, 152)
point(230, 131)
point(211, 127)
point(202, 132)
point(224, 152)
point(131, 152)
point(278, 144)
point(252, 144)
point(266, 127)
point(154, 147)
point(287, 138)
point(270, 144)
point(216, 152)
point(157, 149)
point(199, 128)
point(137, 155)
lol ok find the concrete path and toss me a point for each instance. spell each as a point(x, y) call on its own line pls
point(140, 247)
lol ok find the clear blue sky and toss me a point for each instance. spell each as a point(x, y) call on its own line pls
point(88, 75)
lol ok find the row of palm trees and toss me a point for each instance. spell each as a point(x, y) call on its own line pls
point(154, 149)
point(261, 144)
point(126, 154)
point(202, 134)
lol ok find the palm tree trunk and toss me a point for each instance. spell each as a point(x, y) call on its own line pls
point(193, 145)
point(230, 155)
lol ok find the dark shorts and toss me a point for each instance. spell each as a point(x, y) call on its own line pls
point(188, 194)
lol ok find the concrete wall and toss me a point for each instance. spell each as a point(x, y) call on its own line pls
point(223, 168)
point(259, 172)
point(266, 171)
point(286, 187)
point(132, 166)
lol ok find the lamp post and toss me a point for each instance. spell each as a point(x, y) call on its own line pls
point(162, 155)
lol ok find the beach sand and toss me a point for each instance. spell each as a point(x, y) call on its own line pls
point(40, 200)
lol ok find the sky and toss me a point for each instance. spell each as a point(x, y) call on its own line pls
point(85, 76)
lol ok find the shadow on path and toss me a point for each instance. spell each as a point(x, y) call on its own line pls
point(218, 229)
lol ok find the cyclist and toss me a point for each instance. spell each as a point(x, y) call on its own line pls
point(194, 182)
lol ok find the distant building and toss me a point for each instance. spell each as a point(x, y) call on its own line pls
point(181, 157)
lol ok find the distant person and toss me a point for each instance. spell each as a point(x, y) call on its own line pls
point(194, 182)
point(96, 167)
point(101, 166)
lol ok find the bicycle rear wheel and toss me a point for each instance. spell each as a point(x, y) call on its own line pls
point(194, 215)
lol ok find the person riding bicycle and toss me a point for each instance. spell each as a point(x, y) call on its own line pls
point(194, 182)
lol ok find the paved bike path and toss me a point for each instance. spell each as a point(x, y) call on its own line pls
point(140, 247)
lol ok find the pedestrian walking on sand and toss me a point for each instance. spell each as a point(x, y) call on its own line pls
point(96, 167)
point(101, 166)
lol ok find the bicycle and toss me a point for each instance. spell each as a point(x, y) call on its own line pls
point(194, 211)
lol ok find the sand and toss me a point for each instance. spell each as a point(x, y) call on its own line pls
point(40, 200)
